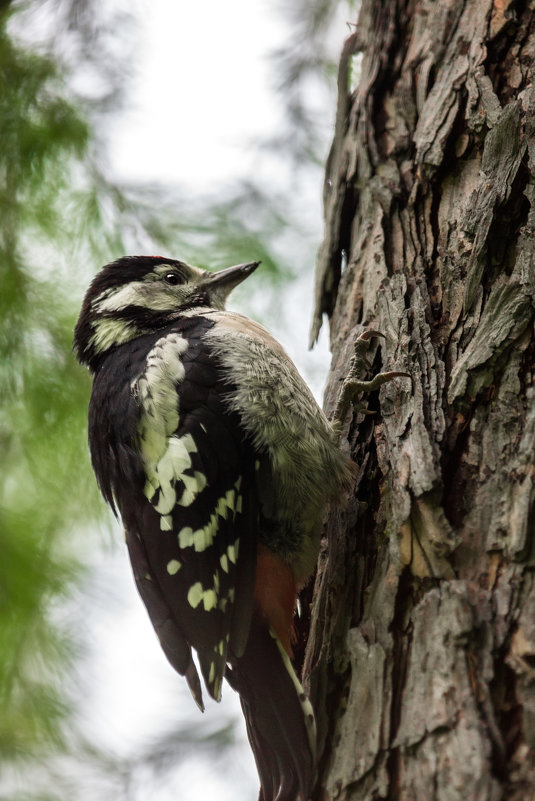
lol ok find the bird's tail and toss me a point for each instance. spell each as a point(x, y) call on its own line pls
point(279, 716)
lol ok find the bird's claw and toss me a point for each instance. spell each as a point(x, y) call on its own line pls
point(354, 385)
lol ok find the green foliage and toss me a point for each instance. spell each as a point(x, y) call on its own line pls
point(42, 424)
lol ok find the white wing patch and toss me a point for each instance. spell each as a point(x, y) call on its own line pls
point(156, 392)
point(201, 539)
point(209, 597)
point(197, 594)
point(166, 457)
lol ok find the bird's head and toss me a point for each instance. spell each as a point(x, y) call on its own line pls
point(139, 294)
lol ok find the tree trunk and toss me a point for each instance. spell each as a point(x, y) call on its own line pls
point(421, 655)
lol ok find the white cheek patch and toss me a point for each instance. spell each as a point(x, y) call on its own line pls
point(108, 333)
point(148, 294)
point(127, 295)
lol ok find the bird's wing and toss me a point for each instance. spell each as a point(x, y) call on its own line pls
point(191, 532)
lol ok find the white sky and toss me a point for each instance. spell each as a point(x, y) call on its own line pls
point(202, 92)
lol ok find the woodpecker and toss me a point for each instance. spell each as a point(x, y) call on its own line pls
point(210, 446)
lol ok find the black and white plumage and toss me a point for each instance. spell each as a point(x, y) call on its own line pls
point(206, 440)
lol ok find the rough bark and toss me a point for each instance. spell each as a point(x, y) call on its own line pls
point(421, 655)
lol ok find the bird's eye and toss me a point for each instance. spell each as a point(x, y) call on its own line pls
point(172, 278)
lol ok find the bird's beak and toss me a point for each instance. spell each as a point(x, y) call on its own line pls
point(222, 283)
point(231, 276)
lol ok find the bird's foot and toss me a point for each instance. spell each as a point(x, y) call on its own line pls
point(355, 385)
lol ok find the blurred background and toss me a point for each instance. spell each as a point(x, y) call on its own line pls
point(194, 130)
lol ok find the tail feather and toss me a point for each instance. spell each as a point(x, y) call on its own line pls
point(279, 717)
